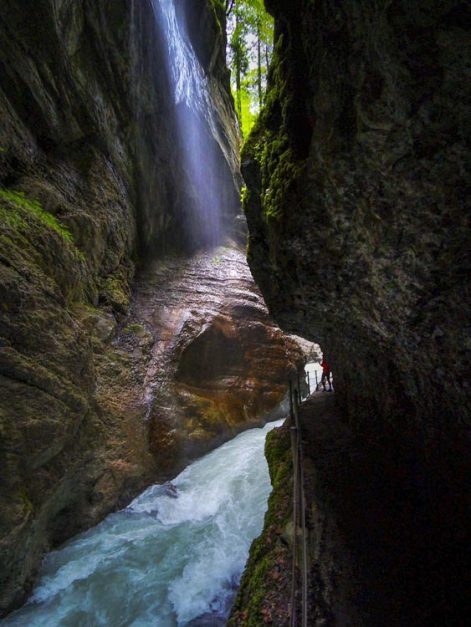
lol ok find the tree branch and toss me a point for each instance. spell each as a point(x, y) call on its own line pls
point(229, 7)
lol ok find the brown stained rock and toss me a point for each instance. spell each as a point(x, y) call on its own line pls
point(216, 363)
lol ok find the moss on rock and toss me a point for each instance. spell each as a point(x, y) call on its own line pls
point(23, 208)
point(264, 590)
point(358, 211)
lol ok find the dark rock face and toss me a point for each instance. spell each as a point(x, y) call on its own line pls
point(358, 211)
point(89, 184)
point(66, 252)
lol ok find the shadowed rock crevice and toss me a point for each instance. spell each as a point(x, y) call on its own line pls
point(213, 352)
point(360, 241)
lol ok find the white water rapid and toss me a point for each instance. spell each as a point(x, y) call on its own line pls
point(175, 554)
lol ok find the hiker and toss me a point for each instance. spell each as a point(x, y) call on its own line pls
point(325, 375)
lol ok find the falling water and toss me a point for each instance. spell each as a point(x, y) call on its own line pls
point(175, 554)
point(198, 131)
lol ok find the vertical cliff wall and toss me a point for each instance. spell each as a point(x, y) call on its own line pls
point(68, 238)
point(91, 188)
point(358, 210)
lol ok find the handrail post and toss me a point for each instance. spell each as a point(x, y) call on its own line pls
point(291, 412)
point(294, 453)
point(299, 511)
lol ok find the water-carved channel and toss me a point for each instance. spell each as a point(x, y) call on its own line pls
point(173, 556)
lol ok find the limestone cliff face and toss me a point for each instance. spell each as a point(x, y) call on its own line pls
point(68, 233)
point(89, 186)
point(358, 211)
point(208, 359)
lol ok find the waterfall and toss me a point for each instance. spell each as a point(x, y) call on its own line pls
point(198, 132)
point(173, 556)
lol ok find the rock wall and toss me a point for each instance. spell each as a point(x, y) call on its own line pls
point(206, 359)
point(89, 188)
point(166, 194)
point(358, 210)
point(68, 235)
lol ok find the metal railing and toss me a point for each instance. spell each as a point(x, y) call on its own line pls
point(299, 509)
point(299, 391)
point(318, 382)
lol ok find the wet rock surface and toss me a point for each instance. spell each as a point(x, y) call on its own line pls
point(212, 361)
point(358, 212)
point(364, 556)
point(89, 177)
point(264, 595)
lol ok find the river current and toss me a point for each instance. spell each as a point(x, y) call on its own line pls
point(173, 556)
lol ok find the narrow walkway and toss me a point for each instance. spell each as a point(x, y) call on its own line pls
point(328, 449)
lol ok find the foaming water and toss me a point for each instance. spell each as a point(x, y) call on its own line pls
point(175, 554)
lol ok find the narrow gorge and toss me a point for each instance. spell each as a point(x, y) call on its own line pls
point(133, 336)
point(164, 277)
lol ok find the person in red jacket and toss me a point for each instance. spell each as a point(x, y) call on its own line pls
point(325, 375)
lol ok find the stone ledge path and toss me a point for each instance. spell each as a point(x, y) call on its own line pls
point(363, 554)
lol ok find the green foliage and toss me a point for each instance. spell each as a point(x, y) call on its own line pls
point(250, 30)
point(24, 206)
point(135, 328)
point(240, 56)
point(270, 147)
point(247, 115)
point(219, 10)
